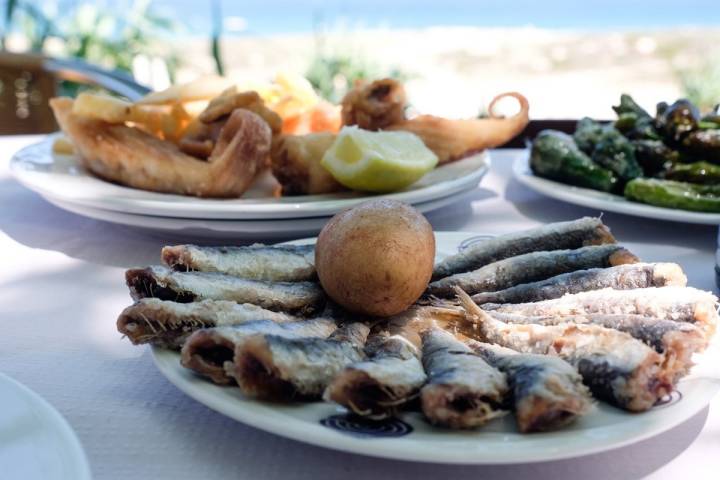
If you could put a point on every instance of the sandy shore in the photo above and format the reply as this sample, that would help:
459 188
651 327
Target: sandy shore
455 71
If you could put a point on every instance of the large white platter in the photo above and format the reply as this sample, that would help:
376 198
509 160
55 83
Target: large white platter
36 443
604 201
411 438
62 177
227 229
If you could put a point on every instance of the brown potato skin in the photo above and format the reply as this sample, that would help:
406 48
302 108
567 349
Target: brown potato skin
376 258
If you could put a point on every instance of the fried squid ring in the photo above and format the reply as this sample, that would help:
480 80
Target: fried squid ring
454 139
131 157
375 106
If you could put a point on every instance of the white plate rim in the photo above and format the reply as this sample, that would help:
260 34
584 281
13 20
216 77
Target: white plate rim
129 200
74 448
260 415
601 200
236 229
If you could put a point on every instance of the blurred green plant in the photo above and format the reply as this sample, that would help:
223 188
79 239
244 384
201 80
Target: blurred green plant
701 85
333 75
94 34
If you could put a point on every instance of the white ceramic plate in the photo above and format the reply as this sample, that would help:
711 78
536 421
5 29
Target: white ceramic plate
61 177
411 438
227 229
604 201
36 443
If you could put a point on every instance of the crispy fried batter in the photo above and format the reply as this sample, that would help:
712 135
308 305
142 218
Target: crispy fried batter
230 99
137 159
454 139
296 164
375 106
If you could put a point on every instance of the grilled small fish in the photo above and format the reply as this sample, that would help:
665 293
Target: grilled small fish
531 267
681 304
621 277
546 392
555 236
678 341
283 368
462 390
616 367
207 351
393 373
279 263
168 324
160 282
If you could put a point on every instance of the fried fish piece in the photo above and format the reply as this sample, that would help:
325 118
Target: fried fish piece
454 139
616 367
463 390
279 263
546 392
375 106
295 163
680 304
393 373
165 323
620 277
531 267
210 351
184 287
137 159
554 236
283 368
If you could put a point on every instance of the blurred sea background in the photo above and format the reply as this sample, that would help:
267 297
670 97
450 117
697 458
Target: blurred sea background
570 58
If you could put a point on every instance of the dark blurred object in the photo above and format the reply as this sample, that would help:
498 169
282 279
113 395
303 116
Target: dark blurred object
28 81
535 127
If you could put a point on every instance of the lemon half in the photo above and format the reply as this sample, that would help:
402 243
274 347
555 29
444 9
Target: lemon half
377 161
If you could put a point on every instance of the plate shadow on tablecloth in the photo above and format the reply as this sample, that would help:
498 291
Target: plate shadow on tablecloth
309 462
29 219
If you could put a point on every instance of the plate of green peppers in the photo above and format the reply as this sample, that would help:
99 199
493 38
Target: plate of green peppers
665 166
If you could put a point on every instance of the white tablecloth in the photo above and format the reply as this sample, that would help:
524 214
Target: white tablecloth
61 288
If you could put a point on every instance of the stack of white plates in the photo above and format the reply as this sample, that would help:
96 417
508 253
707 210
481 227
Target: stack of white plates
61 180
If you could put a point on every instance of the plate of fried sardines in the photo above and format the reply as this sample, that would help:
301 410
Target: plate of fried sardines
544 344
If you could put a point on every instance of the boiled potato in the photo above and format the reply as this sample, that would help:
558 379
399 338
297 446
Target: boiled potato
376 258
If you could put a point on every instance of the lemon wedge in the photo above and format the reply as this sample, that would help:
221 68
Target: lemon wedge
377 161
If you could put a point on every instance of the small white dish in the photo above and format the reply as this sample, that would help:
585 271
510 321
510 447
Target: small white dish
61 177
604 201
36 443
411 438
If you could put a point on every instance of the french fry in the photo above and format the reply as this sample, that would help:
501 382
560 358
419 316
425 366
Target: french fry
102 107
203 88
63 146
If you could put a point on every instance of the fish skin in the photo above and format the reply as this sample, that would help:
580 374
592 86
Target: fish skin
164 323
555 236
208 350
530 267
620 277
617 368
546 392
301 298
680 304
677 341
279 263
378 387
281 368
462 390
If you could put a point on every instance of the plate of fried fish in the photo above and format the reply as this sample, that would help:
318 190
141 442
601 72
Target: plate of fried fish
215 151
544 344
